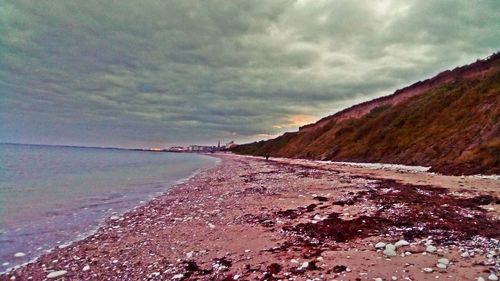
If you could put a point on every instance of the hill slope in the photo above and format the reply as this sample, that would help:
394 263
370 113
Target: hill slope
450 122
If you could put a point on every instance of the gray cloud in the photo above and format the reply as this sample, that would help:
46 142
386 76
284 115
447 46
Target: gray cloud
163 72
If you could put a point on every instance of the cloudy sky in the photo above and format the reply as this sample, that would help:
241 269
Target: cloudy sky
155 73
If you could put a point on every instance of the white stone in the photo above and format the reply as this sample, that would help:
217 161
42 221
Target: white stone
464 255
178 276
430 249
154 274
480 279
19 255
380 245
444 261
428 270
440 265
492 277
378 279
304 265
189 254
5 264
389 253
236 277
394 278
401 243
390 247
211 226
294 261
56 274
86 268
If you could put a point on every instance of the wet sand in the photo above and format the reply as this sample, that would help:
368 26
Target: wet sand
251 219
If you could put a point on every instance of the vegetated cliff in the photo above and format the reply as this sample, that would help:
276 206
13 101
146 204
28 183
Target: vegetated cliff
450 122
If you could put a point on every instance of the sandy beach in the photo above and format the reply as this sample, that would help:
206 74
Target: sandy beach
285 219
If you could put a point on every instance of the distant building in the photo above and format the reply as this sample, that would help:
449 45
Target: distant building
202 148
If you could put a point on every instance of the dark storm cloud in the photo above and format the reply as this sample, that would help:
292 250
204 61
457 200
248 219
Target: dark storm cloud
162 72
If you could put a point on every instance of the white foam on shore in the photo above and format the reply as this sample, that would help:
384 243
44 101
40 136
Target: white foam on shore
374 166
487 177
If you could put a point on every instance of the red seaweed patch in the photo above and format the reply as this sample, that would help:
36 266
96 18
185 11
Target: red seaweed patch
406 210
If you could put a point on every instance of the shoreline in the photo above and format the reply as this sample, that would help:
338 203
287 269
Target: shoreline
103 220
194 230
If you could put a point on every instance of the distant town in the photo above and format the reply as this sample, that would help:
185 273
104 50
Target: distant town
196 148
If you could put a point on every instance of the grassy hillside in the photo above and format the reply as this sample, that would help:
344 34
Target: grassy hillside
453 127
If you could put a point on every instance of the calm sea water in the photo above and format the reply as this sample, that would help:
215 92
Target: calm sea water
50 196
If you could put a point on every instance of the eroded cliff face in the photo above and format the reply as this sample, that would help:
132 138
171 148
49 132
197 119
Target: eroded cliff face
449 122
478 69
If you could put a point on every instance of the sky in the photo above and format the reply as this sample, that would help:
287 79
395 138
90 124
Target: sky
155 73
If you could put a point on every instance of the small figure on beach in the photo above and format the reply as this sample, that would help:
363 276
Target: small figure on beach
267 156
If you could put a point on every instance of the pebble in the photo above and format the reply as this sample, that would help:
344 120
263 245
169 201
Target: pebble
86 268
480 279
380 245
440 265
428 270
394 278
56 274
390 247
401 243
389 253
304 265
19 255
5 264
492 277
430 249
378 279
178 276
444 261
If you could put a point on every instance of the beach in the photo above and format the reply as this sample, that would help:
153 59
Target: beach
289 219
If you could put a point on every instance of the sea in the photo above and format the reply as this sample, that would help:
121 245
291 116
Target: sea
53 195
